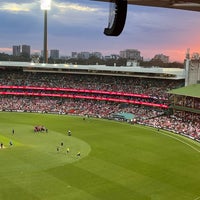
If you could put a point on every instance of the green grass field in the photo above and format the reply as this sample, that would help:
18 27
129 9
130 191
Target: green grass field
118 161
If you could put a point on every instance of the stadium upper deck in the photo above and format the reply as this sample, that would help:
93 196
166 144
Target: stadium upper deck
138 71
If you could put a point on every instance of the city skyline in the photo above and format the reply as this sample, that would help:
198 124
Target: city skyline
134 54
40 53
78 26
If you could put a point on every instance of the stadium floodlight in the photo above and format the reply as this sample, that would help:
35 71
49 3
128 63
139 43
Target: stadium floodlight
45 5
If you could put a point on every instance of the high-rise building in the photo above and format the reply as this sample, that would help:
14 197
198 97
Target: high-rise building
26 50
74 54
97 54
16 50
54 54
84 55
131 54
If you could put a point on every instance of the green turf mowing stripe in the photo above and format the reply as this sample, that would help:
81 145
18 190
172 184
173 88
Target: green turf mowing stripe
118 161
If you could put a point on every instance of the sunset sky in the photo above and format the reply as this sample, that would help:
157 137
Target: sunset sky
77 25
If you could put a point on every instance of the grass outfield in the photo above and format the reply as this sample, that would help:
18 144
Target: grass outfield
118 161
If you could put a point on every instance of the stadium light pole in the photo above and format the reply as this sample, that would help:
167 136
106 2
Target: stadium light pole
45 5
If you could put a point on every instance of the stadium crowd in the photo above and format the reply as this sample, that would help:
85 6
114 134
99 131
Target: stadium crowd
151 116
156 88
102 109
177 124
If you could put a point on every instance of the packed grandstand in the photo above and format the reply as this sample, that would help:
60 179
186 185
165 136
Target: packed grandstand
148 99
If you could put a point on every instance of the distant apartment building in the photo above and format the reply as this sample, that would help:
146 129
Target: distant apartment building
162 57
54 54
97 54
26 50
131 54
84 55
16 50
74 55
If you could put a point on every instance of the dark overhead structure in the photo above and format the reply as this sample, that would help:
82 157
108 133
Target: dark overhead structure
117 17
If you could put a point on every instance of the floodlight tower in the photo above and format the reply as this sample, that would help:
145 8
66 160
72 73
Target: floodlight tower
45 5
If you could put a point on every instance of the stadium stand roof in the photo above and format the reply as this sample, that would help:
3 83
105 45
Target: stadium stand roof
137 71
191 91
192 5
